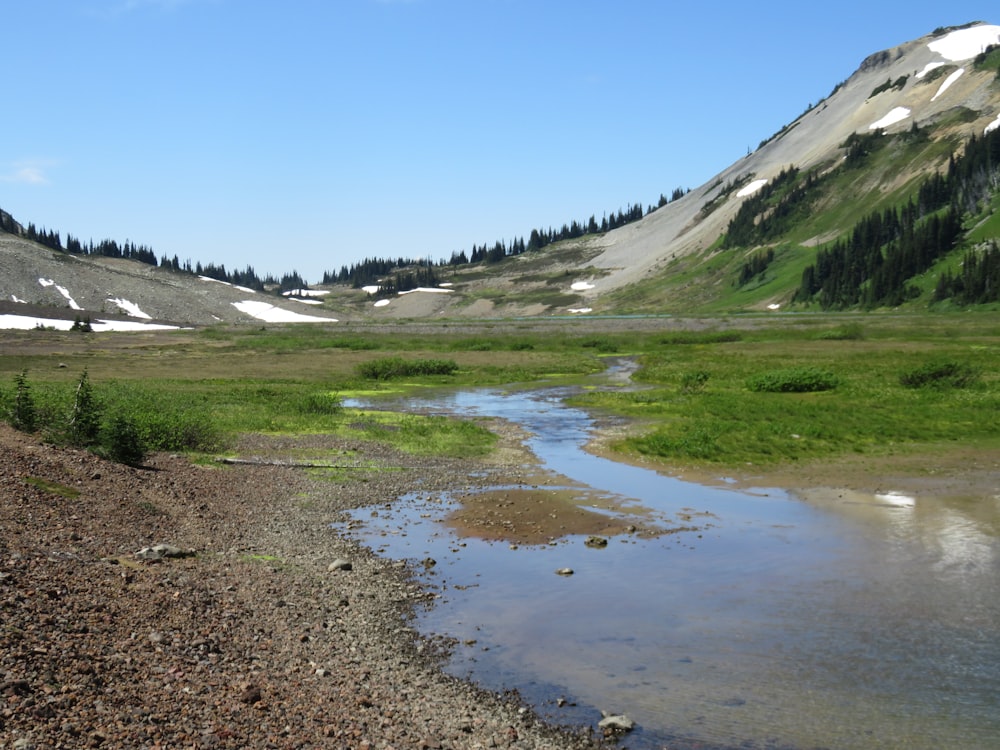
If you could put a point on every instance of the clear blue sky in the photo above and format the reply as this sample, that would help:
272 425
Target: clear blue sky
308 134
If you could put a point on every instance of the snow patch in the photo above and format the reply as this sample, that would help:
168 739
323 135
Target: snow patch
130 308
13 298
929 67
964 44
248 290
306 301
581 286
948 81
271 314
752 188
63 291
382 303
370 289
897 115
580 310
774 306
992 126
427 289
29 323
306 293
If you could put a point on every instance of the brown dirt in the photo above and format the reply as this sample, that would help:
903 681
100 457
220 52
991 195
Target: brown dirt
254 640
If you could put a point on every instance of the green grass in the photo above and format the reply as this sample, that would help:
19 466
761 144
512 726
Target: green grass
195 392
53 488
701 406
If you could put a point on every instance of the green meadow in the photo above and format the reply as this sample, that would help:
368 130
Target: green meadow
716 392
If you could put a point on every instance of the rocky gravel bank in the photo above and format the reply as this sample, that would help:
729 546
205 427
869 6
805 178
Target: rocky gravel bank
271 630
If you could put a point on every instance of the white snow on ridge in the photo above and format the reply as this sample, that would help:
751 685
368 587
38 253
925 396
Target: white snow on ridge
381 303
371 289
897 115
130 308
226 283
752 188
581 286
271 314
992 126
62 290
928 68
948 81
964 44
306 293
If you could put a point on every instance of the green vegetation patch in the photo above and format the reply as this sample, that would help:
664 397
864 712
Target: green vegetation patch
940 375
390 368
425 435
53 488
793 380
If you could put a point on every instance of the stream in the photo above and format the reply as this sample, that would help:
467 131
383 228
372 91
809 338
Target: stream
864 622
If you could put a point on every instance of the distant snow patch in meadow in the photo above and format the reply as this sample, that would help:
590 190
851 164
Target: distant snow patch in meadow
964 44
752 188
370 289
432 290
897 115
130 308
14 298
29 323
948 81
381 303
62 290
270 314
306 293
774 306
306 301
992 126
581 286
580 310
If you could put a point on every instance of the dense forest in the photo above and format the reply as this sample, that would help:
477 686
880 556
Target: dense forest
874 265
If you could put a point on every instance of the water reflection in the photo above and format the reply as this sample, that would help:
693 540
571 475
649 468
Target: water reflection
848 621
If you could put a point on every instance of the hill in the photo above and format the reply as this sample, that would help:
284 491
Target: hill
898 120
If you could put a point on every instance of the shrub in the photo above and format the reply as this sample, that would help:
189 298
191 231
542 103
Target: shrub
939 375
121 442
318 403
793 380
85 417
846 332
24 416
387 368
693 382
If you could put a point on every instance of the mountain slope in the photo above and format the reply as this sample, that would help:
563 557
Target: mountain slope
635 251
672 260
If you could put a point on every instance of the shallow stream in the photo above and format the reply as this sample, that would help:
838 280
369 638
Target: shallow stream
858 622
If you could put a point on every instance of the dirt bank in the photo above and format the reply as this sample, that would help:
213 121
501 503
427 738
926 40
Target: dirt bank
258 639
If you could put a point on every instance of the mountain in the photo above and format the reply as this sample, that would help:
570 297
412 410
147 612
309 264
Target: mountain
742 241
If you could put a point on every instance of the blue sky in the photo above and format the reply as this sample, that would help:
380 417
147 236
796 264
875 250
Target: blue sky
308 134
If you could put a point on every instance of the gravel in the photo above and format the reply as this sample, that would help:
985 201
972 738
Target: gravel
264 628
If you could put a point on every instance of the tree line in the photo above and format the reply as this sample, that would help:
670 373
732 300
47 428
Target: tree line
383 271
873 266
